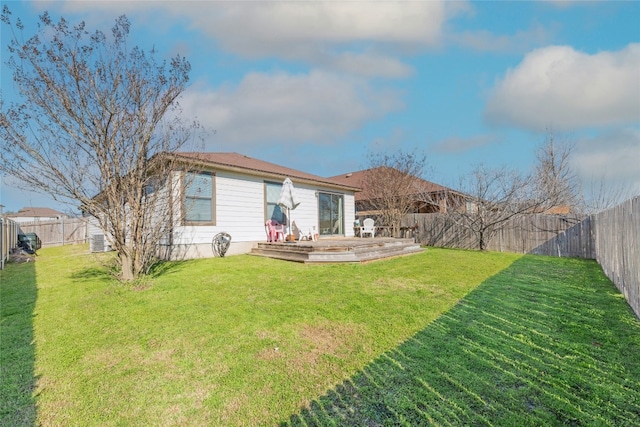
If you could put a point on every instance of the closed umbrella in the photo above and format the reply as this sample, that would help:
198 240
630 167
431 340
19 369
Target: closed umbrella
288 199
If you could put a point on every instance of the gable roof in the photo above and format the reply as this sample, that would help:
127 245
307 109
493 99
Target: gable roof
36 212
358 178
235 162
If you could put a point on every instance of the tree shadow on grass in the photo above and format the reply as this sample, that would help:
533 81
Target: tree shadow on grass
18 293
102 274
544 342
162 267
108 272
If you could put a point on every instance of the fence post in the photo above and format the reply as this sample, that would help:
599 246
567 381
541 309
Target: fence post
2 238
8 239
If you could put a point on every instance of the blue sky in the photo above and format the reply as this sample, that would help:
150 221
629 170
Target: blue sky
318 85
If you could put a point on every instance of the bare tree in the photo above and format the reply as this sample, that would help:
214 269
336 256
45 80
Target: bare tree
390 187
558 185
602 193
494 197
556 182
97 120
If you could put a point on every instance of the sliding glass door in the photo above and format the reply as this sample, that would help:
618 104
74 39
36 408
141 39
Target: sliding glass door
330 214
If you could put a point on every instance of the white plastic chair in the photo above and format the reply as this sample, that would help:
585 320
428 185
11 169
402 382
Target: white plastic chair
309 235
368 227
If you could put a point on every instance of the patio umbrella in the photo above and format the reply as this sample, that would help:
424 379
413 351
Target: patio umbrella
288 199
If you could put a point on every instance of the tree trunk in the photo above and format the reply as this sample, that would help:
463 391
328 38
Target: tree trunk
127 272
85 128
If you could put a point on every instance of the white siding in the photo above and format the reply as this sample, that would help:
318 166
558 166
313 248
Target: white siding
349 214
239 208
95 230
240 211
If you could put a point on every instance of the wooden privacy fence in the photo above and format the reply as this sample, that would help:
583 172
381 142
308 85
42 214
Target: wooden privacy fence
529 234
65 231
617 247
8 238
612 237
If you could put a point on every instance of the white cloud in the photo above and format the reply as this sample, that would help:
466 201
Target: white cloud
565 89
277 27
289 109
613 157
335 35
252 26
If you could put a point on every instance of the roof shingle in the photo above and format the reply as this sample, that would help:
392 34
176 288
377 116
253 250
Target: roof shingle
357 179
36 212
236 161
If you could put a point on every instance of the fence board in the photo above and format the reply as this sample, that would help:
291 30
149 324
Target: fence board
611 237
617 241
534 234
64 231
8 239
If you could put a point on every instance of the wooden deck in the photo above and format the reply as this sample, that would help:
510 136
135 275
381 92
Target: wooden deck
338 249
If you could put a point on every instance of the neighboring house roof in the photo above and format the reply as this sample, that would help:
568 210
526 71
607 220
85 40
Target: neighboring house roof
244 164
553 210
357 179
558 210
36 213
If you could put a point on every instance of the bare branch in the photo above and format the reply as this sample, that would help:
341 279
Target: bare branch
392 185
95 119
556 182
494 197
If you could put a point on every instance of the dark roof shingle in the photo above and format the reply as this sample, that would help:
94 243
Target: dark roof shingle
240 162
357 179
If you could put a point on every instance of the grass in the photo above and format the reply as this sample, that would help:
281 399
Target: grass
444 337
545 342
17 381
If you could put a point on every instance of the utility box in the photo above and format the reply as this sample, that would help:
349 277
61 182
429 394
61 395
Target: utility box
36 243
99 243
96 244
32 239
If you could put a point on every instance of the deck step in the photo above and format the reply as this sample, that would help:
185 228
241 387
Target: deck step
346 250
284 255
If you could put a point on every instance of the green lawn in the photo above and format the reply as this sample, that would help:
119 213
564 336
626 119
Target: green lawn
444 337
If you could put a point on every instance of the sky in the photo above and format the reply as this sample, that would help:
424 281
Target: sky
319 86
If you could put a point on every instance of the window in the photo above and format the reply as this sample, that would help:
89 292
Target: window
198 198
472 208
330 214
154 184
272 210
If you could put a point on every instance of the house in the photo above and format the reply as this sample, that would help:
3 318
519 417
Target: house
237 194
35 214
428 196
553 210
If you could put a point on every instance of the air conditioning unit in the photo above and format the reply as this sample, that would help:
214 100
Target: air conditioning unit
97 243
